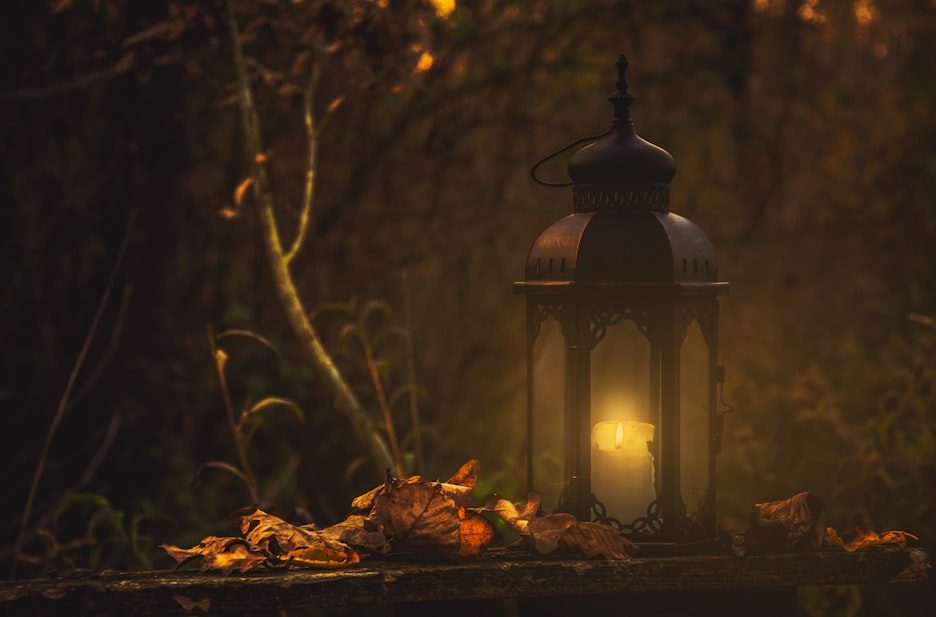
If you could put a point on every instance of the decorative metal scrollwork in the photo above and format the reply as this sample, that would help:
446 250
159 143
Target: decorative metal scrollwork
704 314
542 312
693 526
603 318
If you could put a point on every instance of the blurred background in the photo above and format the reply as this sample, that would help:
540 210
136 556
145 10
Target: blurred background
805 145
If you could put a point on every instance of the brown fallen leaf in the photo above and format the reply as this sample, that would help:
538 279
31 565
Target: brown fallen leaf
474 533
467 474
544 532
292 544
793 524
418 516
360 532
595 540
363 503
866 539
222 554
832 538
461 490
517 518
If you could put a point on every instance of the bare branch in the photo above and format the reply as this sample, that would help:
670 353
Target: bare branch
66 394
344 398
311 165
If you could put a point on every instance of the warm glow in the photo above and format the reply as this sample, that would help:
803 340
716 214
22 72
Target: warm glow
810 12
443 8
425 62
626 435
622 467
864 12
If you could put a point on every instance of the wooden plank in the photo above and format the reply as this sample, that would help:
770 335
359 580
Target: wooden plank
160 593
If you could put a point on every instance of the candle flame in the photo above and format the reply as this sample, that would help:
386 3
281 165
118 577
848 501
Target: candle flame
619 436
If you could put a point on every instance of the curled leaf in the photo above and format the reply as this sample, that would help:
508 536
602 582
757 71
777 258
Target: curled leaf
419 516
467 474
292 544
595 540
474 533
360 532
793 524
544 532
866 539
516 518
222 554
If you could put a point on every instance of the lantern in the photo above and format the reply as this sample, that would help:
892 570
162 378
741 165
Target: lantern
622 328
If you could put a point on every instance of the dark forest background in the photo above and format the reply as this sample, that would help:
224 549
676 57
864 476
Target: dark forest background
805 142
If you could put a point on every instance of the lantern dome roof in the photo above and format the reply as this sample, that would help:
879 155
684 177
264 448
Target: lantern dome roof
621 157
621 237
622 249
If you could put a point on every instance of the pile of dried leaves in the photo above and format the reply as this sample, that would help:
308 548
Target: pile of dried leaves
411 515
798 524
419 517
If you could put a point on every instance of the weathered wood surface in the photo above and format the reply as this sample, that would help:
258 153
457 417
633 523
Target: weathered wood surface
160 593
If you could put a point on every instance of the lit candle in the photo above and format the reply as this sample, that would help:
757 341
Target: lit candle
622 474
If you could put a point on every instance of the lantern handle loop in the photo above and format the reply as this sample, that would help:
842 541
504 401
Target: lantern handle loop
557 153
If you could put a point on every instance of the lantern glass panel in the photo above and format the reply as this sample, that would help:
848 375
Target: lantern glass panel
694 397
624 417
549 435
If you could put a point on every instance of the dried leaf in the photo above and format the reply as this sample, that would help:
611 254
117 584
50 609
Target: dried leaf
517 518
595 540
544 532
793 524
222 554
241 190
832 538
866 539
474 533
467 474
419 516
360 532
289 543
366 501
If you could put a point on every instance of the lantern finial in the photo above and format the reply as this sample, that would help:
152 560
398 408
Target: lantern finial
621 98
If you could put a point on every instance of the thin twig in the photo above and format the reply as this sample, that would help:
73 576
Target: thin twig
382 402
327 371
113 427
66 394
101 366
311 166
411 375
239 443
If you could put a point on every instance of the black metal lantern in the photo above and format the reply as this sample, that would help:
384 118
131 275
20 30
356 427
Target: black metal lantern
622 328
